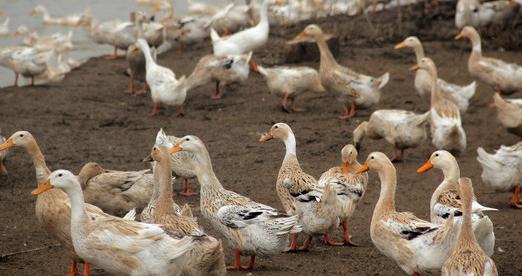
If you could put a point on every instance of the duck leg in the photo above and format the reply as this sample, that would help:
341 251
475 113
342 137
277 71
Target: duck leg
187 190
132 88
329 241
32 80
285 103
237 261
515 199
154 109
3 169
306 244
293 243
86 269
346 235
74 269
219 91
397 158
114 54
180 112
16 80
250 265
295 108
348 113
143 89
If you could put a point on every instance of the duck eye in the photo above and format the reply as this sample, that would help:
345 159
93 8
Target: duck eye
187 139
60 175
436 154
21 135
276 127
372 157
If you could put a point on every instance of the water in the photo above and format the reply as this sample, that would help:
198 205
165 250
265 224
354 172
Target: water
19 13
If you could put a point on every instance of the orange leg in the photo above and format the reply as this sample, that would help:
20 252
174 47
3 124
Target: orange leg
32 81
132 88
187 190
74 269
397 158
218 93
328 241
114 54
143 90
285 103
154 109
250 265
293 243
346 235
348 113
415 274
295 108
237 261
306 244
226 32
16 79
180 49
86 269
515 199
180 112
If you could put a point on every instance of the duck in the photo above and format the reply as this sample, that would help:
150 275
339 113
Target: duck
68 20
403 129
290 82
243 41
180 162
4 27
505 77
29 62
6 60
476 14
467 258
232 18
350 187
223 70
115 192
58 42
416 245
460 95
251 228
53 210
164 86
348 86
206 257
509 113
201 8
446 125
502 171
3 156
300 193
121 35
447 200
136 68
141 248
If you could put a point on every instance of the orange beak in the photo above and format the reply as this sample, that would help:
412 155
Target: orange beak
42 188
426 167
346 168
7 144
301 37
147 159
265 137
363 168
459 36
400 46
415 67
176 148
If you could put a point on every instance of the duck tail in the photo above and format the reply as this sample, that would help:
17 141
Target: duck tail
469 90
214 35
421 119
260 69
485 158
383 80
162 138
131 215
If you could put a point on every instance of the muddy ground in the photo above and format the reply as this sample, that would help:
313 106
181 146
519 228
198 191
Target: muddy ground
90 117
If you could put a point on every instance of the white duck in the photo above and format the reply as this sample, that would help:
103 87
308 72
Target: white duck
251 228
30 62
509 113
417 246
446 125
114 244
446 200
164 86
69 20
460 95
4 27
502 171
244 41
476 14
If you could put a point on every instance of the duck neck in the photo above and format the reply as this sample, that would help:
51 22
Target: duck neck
139 27
419 52
290 145
386 202
78 214
163 185
83 178
149 61
477 45
451 171
435 89
263 16
205 173
466 236
42 172
326 57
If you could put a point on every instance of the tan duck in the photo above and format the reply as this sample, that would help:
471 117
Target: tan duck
460 95
502 171
509 113
446 125
350 87
116 192
467 257
117 245
416 245
290 82
350 187
136 69
3 155
300 194
505 77
401 128
447 200
52 208
179 162
206 258
223 70
249 227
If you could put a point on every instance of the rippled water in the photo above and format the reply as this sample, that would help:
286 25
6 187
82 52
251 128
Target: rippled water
19 13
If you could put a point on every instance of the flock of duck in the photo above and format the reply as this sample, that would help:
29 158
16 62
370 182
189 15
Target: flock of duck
93 214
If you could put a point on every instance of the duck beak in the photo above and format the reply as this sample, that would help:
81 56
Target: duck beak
346 168
301 37
266 137
176 148
415 67
400 46
426 167
363 168
7 144
42 188
147 159
459 36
